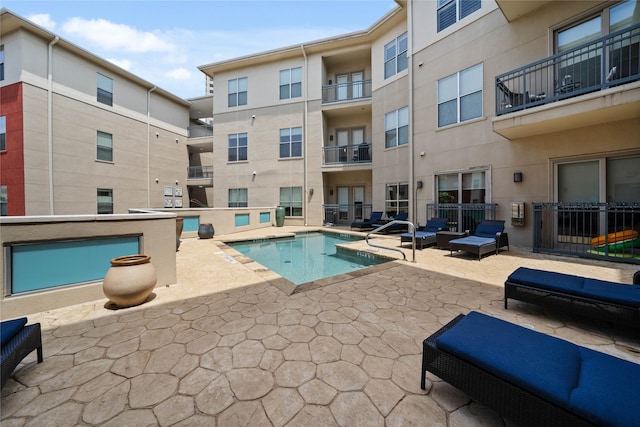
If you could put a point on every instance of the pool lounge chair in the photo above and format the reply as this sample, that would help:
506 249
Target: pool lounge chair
530 378
368 223
489 237
609 301
395 228
17 340
426 235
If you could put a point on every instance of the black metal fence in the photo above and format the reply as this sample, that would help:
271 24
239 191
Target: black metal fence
462 216
588 230
607 61
346 154
344 214
346 91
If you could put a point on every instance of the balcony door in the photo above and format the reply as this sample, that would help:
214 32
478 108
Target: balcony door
350 85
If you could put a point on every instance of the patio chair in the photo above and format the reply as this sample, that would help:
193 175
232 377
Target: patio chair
395 228
488 237
17 340
426 235
530 378
368 223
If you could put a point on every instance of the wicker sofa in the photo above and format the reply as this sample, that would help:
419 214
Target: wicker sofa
18 340
530 378
610 301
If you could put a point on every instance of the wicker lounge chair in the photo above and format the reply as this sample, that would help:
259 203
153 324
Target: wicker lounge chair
368 223
426 235
489 237
599 299
18 340
530 378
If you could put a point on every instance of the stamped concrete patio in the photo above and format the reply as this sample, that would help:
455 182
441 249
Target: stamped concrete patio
230 345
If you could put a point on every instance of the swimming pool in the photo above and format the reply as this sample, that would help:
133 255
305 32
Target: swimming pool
306 257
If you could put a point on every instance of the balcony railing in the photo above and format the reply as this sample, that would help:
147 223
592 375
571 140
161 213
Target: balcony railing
345 214
608 61
200 131
346 91
200 172
346 154
588 230
462 216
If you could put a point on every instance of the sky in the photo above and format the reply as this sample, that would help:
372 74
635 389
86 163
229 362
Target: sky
164 41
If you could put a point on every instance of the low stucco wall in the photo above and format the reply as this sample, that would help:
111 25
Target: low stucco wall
158 240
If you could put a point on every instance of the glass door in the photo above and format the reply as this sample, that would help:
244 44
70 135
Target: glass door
356 80
343 85
343 142
358 201
578 182
343 204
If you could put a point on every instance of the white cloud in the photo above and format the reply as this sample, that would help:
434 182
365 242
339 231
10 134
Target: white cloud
115 37
122 63
44 20
179 74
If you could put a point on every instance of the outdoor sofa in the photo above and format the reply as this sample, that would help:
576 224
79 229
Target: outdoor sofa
368 223
17 340
599 299
530 378
488 237
425 235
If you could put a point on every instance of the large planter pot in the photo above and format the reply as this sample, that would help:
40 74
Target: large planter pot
130 280
279 216
205 231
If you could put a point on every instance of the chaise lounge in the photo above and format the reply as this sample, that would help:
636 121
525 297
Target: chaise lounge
426 235
489 237
368 223
599 299
17 340
530 378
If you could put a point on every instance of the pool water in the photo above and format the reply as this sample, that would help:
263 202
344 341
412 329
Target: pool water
306 257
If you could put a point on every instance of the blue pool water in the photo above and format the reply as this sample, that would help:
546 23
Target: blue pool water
304 258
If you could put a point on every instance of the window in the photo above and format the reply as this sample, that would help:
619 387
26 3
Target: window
4 211
448 11
473 186
395 56
238 92
290 142
460 96
105 90
3 133
291 200
396 128
396 199
291 83
1 62
105 201
105 146
238 198
238 147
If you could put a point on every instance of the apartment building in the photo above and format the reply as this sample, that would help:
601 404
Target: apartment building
503 104
80 135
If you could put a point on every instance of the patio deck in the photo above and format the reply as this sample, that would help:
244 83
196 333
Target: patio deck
229 345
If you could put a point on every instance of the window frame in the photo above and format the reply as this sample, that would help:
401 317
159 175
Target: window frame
237 147
238 198
459 11
397 201
235 98
460 96
104 93
290 143
397 128
108 194
398 57
292 206
290 84
104 147
1 62
3 133
4 200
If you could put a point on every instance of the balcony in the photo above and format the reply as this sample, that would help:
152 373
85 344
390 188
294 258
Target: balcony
347 154
346 91
601 78
200 131
345 214
200 176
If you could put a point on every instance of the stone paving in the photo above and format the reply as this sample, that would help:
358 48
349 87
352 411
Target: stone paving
226 346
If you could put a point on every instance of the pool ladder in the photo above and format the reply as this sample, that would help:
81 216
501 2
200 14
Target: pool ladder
389 224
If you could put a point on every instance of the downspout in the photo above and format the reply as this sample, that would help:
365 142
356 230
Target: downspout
412 184
148 146
304 136
50 119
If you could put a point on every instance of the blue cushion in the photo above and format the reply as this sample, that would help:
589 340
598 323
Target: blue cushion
9 328
436 224
419 234
489 229
474 241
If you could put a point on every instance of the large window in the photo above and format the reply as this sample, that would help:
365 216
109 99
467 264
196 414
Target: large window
238 198
396 199
291 200
450 11
238 147
3 133
105 201
395 56
105 90
1 62
462 187
290 142
291 83
105 146
4 205
460 96
396 128
238 91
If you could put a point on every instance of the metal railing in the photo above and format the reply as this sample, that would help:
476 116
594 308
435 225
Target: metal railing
389 248
345 214
200 172
200 131
346 154
608 61
588 230
346 91
462 216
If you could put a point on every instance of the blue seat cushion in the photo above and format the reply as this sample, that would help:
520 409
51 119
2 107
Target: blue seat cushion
618 293
489 229
474 241
9 329
419 234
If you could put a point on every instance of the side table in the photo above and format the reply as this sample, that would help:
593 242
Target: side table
444 237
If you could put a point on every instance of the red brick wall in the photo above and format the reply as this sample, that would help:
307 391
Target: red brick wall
12 160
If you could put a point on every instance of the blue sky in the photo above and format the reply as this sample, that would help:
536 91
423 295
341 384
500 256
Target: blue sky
165 41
